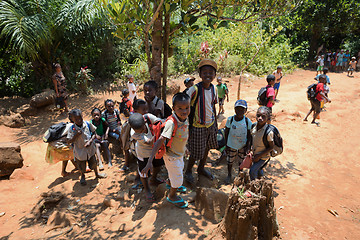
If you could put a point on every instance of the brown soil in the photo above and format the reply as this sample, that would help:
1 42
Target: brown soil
317 172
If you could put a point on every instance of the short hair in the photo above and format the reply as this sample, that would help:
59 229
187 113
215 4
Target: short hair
266 110
137 103
270 78
219 77
75 113
325 69
57 65
94 110
322 76
180 97
125 92
108 101
136 121
279 67
152 84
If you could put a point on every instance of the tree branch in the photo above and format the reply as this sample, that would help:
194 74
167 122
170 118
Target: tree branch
156 14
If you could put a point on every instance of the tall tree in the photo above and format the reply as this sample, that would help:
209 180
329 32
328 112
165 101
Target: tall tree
156 21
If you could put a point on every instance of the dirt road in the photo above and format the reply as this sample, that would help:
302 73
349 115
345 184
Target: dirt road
318 171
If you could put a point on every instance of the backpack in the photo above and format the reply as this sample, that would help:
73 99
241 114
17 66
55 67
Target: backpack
311 91
156 129
87 124
167 109
278 141
54 132
221 133
124 108
262 98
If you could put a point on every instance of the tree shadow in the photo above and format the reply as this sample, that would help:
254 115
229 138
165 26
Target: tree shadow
60 180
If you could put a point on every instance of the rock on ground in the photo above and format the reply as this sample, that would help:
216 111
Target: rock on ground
43 99
13 120
10 158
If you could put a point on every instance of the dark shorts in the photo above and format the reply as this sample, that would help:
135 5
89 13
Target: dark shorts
221 101
201 140
315 105
277 86
156 163
82 164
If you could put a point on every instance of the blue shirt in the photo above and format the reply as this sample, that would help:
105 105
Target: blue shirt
327 78
238 132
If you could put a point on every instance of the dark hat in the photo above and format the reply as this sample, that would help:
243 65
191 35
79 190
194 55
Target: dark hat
189 79
241 103
208 62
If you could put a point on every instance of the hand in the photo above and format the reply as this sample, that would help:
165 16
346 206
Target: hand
227 99
98 137
106 137
247 151
147 168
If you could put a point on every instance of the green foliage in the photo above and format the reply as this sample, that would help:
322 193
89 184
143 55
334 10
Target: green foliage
241 42
83 79
138 68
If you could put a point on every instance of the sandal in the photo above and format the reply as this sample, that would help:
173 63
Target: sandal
317 124
180 189
184 205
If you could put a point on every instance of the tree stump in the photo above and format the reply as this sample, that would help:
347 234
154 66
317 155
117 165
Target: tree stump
250 212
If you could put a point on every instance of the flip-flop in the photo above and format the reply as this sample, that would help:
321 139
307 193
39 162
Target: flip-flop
180 189
185 205
136 186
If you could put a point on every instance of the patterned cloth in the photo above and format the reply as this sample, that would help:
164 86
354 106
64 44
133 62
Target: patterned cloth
201 140
233 153
58 151
61 84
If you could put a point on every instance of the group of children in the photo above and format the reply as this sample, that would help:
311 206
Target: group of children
338 61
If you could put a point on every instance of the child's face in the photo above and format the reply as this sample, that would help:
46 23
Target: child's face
207 74
272 83
58 69
142 109
141 130
182 109
189 84
261 117
110 107
219 80
78 120
322 80
131 79
96 116
279 70
149 92
240 111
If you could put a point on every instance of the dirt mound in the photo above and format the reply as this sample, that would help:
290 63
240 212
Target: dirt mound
250 212
210 203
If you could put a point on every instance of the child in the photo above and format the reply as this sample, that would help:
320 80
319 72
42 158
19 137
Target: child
173 157
112 117
261 154
125 104
131 88
237 136
346 59
143 146
202 120
102 132
339 60
84 147
320 64
316 102
155 104
188 82
352 66
270 92
278 76
222 91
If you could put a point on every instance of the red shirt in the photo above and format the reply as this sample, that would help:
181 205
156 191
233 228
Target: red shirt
319 88
270 93
128 104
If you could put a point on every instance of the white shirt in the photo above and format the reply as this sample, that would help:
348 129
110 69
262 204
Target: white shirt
131 88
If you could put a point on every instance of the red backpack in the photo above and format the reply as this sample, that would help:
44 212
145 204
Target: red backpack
156 130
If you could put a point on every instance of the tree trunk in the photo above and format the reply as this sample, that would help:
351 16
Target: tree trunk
166 54
315 36
155 71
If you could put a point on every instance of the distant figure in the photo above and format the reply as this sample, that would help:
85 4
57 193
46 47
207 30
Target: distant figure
278 76
222 92
125 104
316 101
320 64
352 66
59 82
131 87
346 59
340 61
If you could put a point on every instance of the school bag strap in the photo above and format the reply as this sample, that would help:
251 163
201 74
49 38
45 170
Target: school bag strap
117 115
171 118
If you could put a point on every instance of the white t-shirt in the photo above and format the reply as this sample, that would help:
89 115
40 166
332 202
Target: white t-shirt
238 132
142 146
209 117
131 88
320 61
